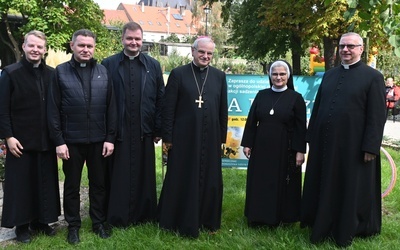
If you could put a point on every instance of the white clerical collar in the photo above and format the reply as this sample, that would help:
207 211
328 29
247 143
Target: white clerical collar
131 57
201 69
278 90
347 66
36 65
82 65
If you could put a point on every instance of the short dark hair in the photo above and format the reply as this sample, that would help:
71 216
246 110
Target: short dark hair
83 32
131 26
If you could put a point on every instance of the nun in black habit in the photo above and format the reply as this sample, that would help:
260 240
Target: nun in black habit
274 142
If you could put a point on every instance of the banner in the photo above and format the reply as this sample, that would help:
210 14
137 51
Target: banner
242 90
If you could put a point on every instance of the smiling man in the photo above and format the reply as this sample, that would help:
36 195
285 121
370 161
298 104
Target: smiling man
342 198
31 196
195 118
139 89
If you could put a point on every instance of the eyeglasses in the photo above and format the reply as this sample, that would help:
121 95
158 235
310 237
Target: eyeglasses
349 46
278 74
202 52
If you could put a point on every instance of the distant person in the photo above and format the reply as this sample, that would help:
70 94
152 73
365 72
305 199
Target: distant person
139 89
342 187
274 142
392 96
195 118
82 123
31 192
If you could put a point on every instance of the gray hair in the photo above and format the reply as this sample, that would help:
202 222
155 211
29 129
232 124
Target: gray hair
202 39
360 39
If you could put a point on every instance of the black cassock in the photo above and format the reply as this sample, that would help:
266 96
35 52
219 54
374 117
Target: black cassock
191 196
273 188
342 193
133 197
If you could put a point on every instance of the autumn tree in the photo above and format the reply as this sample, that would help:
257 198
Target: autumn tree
252 39
58 19
314 21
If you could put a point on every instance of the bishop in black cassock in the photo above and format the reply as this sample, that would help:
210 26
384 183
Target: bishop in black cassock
195 124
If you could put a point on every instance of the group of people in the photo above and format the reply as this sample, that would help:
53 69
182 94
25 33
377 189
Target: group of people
341 196
109 116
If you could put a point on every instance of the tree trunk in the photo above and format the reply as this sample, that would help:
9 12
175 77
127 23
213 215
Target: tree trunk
331 53
296 54
265 67
14 44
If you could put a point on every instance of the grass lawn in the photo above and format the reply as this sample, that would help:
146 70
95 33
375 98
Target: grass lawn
234 233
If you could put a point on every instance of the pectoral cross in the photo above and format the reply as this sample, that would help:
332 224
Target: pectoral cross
287 179
199 101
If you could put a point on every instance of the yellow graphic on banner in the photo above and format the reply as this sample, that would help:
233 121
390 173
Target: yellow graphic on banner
237 121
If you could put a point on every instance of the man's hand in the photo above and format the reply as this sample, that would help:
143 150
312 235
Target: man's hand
108 149
62 152
299 159
14 146
369 157
247 152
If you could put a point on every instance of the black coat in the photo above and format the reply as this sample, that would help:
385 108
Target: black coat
22 103
139 89
31 190
342 193
152 88
79 117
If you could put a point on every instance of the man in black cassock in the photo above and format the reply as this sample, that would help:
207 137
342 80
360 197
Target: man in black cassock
139 89
342 189
31 192
195 118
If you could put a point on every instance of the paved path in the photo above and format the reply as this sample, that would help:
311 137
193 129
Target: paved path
391 132
392 129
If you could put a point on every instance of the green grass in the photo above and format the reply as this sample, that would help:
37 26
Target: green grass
234 233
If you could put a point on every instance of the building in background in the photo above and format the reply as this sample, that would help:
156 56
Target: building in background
158 22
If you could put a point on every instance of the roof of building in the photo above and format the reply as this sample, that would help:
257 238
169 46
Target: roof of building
153 19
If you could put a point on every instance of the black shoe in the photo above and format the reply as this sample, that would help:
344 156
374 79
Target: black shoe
101 231
38 227
22 233
73 236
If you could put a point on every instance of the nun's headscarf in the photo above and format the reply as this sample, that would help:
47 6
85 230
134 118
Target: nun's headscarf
289 72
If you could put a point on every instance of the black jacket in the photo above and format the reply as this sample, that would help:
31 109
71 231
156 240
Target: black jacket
23 104
152 92
78 118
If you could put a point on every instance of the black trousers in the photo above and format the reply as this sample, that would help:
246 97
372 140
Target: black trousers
97 174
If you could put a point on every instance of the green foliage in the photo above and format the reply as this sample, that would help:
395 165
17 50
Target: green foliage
58 19
171 61
389 64
173 38
189 39
109 43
